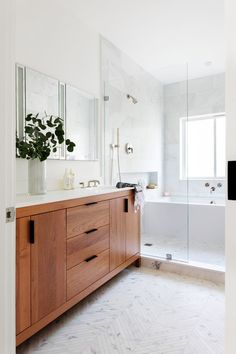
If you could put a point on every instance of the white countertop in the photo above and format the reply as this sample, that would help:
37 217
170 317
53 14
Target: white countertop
25 200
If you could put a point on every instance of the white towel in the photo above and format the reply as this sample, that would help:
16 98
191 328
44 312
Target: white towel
139 197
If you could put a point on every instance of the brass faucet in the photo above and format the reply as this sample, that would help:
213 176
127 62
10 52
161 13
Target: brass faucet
93 183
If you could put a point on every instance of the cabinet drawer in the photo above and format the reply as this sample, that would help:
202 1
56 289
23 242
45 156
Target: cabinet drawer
86 245
87 217
86 273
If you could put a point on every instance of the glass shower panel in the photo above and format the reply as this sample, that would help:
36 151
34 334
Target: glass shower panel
206 164
170 212
165 213
113 107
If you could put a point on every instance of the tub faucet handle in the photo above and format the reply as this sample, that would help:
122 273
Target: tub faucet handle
207 184
212 189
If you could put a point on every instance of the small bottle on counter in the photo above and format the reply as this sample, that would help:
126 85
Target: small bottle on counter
72 179
66 180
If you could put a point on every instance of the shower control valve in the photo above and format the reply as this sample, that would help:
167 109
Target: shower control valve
129 148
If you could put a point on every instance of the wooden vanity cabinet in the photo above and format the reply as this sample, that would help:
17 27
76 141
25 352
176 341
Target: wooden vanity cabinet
48 263
40 266
87 245
132 229
117 232
124 230
66 250
23 286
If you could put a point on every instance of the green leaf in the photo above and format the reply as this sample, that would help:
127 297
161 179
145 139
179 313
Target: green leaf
70 148
49 124
28 117
39 144
58 120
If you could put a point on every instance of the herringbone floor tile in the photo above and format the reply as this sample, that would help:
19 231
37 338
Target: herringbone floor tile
141 311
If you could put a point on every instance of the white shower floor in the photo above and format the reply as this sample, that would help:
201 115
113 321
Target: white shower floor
201 252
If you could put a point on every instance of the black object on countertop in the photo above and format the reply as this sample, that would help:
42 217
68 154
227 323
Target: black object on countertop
231 180
125 185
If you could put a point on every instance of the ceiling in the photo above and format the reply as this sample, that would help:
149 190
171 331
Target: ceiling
161 34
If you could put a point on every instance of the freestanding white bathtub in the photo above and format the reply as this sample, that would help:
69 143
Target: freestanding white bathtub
187 228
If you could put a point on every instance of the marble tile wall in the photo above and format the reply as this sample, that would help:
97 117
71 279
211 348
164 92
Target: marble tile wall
140 124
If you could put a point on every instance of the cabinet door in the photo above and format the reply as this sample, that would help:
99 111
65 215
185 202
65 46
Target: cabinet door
23 318
132 226
48 263
117 232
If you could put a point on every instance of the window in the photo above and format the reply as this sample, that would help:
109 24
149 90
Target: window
202 147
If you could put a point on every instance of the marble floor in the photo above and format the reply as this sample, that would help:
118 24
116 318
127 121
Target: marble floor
182 248
141 311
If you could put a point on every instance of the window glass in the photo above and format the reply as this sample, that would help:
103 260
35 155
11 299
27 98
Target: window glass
220 147
203 147
200 148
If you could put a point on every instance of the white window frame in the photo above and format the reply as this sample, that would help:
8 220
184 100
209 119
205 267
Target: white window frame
183 144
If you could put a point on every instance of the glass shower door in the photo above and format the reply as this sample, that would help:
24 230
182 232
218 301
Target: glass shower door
206 165
165 219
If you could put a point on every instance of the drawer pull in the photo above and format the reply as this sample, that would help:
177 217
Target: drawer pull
91 203
90 258
31 234
90 231
126 205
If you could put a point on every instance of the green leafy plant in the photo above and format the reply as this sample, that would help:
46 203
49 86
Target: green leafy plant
42 137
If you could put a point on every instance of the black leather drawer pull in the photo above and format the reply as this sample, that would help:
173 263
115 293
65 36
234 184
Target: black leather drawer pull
91 203
90 231
90 258
126 205
31 235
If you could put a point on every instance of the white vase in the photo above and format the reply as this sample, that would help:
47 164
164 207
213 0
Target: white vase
37 177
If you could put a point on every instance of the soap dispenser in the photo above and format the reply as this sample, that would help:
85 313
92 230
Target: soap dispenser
66 180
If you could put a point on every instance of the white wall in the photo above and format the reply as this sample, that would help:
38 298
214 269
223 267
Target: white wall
140 124
203 96
7 178
51 40
231 155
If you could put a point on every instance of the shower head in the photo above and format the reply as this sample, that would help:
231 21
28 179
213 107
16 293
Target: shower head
132 98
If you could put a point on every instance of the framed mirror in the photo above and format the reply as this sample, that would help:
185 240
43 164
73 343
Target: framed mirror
40 93
42 96
81 124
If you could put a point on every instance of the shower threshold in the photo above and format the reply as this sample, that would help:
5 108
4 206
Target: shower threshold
195 269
